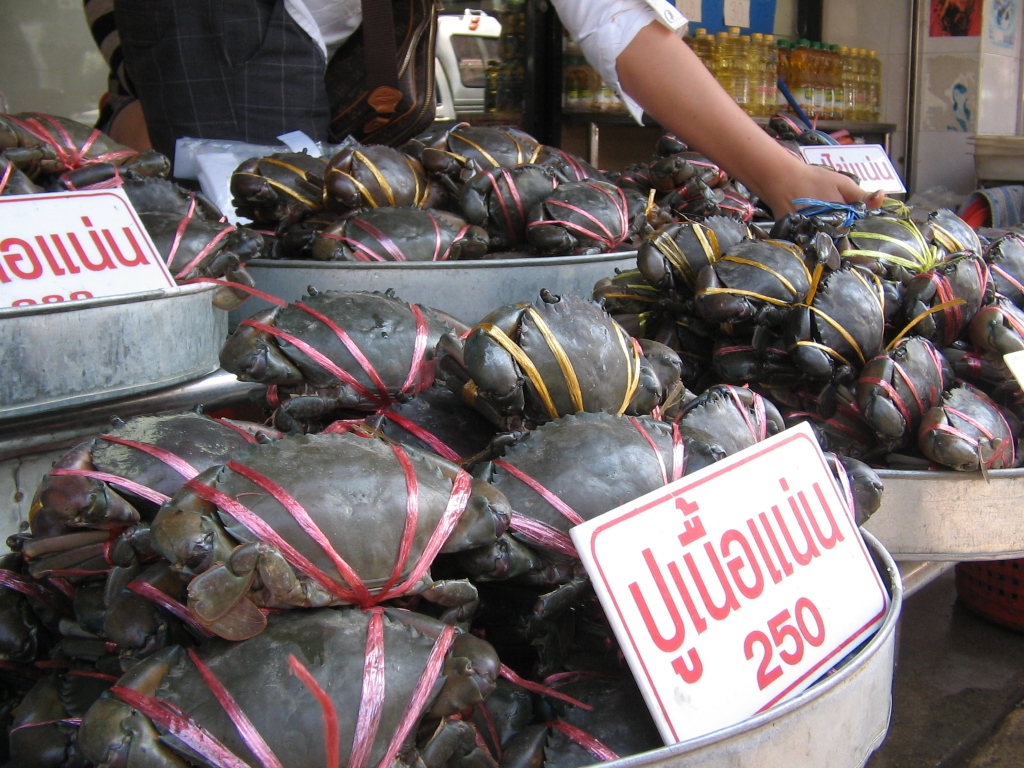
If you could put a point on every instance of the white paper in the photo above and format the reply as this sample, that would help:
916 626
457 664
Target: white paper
867 161
736 587
668 14
1015 362
690 9
737 13
298 141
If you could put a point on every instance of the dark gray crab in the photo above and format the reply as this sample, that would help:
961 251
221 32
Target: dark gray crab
561 354
581 217
501 200
279 189
167 711
375 176
265 531
968 431
336 350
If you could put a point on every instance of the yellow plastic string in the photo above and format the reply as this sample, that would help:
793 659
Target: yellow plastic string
381 181
565 365
937 308
525 363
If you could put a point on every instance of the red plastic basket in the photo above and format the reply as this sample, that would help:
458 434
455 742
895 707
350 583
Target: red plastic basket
994 590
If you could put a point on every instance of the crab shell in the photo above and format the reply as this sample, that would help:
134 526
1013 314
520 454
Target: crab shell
998 328
374 176
842 328
734 417
968 431
400 234
474 148
501 200
332 645
890 246
942 301
357 491
383 328
539 361
671 257
951 234
1005 257
281 188
203 248
753 280
897 388
592 462
581 217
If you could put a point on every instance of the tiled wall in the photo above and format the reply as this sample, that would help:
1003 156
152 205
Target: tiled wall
882 26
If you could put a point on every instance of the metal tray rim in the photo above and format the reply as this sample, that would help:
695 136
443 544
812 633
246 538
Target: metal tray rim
104 301
872 647
531 261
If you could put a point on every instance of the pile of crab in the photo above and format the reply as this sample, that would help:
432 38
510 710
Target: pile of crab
380 572
42 153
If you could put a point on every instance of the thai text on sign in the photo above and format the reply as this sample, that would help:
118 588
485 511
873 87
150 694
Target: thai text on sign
868 162
75 245
736 587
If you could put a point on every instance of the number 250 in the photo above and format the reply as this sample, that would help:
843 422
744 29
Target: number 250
781 631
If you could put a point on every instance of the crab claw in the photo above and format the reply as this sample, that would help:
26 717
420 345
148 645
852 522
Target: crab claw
185 532
253 355
71 501
470 673
485 518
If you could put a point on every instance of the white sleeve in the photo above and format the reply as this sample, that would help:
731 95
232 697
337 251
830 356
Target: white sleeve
603 29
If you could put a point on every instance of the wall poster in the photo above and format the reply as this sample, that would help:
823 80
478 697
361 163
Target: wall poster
955 18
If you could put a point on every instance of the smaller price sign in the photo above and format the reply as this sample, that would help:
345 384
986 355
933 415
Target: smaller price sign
868 162
736 587
74 245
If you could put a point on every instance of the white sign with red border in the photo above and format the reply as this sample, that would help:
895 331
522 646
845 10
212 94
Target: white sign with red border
868 162
735 587
64 246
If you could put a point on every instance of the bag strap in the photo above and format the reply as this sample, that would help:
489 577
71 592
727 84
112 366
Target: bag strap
381 55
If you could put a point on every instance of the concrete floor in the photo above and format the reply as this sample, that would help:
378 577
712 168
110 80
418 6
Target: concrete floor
958 691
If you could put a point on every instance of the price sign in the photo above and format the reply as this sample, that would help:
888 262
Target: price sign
735 587
74 245
868 162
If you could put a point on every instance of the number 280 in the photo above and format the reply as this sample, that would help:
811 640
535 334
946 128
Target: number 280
781 631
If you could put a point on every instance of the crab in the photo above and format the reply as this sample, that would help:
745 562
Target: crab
734 417
968 431
890 246
374 176
581 217
1005 258
399 234
211 704
279 189
941 302
264 531
462 150
529 363
998 328
896 389
335 350
501 200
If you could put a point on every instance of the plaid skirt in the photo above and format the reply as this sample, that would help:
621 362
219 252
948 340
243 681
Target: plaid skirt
239 70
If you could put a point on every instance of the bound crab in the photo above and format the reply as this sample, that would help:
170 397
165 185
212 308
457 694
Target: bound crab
279 189
941 302
457 153
263 531
529 363
501 200
582 217
375 176
399 234
968 431
333 351
326 670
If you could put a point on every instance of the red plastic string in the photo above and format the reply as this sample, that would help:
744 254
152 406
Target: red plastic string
227 423
169 604
6 177
21 669
421 694
205 251
909 383
252 739
371 701
385 242
173 461
459 236
238 286
994 267
357 592
760 431
564 509
179 232
540 688
583 739
129 485
435 443
72 721
574 676
265 533
543 534
953 312
32 590
412 515
95 675
332 736
492 728
437 239
316 355
418 355
654 447
177 723
352 348
894 396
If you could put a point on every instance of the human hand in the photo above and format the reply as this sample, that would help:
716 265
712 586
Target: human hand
817 182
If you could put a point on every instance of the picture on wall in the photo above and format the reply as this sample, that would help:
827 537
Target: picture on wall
955 18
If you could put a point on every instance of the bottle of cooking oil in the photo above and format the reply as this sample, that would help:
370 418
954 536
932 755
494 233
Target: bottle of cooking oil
849 83
722 69
769 79
818 89
838 89
828 78
742 71
875 87
782 72
861 68
703 46
802 75
755 70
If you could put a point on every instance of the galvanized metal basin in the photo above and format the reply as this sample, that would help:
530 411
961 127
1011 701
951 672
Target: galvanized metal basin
951 516
72 354
469 290
836 723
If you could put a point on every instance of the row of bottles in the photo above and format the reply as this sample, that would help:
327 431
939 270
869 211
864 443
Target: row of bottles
506 77
830 82
583 90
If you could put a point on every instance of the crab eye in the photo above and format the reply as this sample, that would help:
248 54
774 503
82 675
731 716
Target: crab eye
257 367
199 551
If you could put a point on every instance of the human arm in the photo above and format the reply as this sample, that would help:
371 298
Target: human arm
673 86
